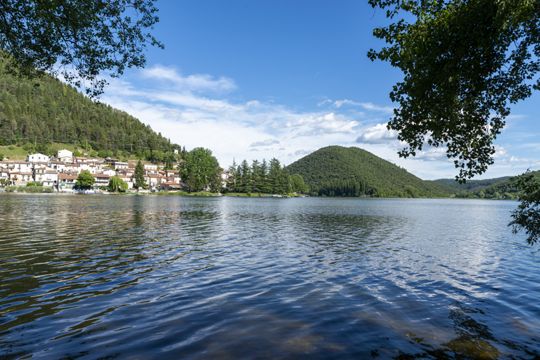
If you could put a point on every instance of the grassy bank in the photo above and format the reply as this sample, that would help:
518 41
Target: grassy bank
29 189
185 193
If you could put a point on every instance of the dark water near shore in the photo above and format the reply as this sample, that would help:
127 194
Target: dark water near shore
229 278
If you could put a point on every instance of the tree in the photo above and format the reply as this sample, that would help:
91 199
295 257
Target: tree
265 182
139 182
232 177
245 177
200 170
464 64
256 176
278 178
298 185
527 215
85 180
77 39
116 184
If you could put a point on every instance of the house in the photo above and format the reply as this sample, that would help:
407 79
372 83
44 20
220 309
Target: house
128 179
109 172
19 178
22 166
119 165
154 180
151 168
59 166
173 176
47 177
225 178
169 185
102 180
38 158
66 182
65 156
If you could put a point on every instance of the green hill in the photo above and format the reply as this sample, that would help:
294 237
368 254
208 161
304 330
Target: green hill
340 171
497 188
470 185
36 113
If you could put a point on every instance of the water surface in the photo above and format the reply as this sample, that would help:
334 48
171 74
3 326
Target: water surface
229 278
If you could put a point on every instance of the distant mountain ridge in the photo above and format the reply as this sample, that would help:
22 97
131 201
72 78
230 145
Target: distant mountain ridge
38 112
341 171
502 188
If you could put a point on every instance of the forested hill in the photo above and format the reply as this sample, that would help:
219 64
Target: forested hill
340 171
38 112
497 188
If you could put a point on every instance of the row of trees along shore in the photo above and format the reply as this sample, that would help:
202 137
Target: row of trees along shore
263 177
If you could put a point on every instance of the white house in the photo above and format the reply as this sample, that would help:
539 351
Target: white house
151 168
119 165
20 178
47 177
66 182
38 158
65 155
102 180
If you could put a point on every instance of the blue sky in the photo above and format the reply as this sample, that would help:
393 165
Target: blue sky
262 79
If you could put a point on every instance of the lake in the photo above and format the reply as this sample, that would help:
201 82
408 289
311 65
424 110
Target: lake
230 278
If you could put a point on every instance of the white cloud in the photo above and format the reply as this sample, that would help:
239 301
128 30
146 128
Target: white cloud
267 142
193 111
195 82
375 107
369 106
377 134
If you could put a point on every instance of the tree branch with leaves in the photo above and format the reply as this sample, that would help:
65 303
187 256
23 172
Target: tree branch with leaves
464 63
79 40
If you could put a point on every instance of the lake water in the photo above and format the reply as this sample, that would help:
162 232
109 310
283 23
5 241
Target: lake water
231 278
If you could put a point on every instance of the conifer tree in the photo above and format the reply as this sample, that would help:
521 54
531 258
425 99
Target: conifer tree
245 177
139 176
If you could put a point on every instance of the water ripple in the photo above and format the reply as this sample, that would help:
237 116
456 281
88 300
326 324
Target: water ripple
169 277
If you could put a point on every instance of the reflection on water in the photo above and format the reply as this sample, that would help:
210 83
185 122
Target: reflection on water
171 277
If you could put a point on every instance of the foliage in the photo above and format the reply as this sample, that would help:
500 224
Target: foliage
470 185
298 185
4 182
527 216
116 184
30 189
262 177
340 171
502 188
139 182
85 180
200 171
33 183
464 63
77 39
39 114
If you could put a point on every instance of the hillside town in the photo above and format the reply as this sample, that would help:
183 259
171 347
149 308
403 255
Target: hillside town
61 172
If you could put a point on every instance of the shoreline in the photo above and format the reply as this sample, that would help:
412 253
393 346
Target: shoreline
236 195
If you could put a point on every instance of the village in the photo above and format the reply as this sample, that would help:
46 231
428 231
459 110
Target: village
60 173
